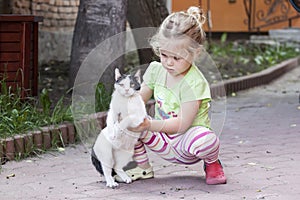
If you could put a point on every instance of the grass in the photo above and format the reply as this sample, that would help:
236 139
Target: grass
21 115
102 98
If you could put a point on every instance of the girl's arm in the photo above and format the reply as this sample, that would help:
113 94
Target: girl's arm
177 124
145 92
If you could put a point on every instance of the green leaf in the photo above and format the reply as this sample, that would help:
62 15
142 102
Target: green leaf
223 38
45 101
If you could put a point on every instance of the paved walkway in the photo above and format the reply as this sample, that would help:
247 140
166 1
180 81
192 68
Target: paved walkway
260 152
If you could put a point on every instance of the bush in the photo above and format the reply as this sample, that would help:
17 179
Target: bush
240 58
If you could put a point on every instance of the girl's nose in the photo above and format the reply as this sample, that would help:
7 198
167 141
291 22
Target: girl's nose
169 61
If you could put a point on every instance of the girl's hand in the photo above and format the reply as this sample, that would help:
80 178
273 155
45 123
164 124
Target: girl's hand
145 125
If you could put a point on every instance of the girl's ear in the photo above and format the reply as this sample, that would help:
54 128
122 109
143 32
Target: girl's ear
198 52
137 75
117 74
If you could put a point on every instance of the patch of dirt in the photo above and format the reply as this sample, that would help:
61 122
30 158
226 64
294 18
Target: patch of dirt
230 69
54 78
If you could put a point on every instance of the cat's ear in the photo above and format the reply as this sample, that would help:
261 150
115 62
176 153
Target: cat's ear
117 74
137 75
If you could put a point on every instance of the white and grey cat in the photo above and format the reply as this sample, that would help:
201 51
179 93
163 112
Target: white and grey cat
114 146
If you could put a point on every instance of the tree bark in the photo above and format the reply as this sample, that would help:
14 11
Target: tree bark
149 13
96 21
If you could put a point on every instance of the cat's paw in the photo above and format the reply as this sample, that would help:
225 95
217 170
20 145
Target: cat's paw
112 184
125 178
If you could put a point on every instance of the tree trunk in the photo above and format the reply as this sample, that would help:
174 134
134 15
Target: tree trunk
149 13
96 21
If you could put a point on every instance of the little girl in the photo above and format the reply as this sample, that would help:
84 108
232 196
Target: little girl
180 131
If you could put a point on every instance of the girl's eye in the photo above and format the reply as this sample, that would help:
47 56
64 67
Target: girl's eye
163 55
176 58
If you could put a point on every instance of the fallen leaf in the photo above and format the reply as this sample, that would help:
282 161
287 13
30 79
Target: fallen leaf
60 149
233 94
293 125
10 175
252 163
298 107
268 168
263 196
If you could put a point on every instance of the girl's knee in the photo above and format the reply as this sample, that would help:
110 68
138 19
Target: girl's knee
201 141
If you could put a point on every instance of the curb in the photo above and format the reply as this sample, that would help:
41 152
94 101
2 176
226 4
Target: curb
230 86
24 145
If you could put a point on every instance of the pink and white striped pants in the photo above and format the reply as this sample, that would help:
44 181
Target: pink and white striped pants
198 143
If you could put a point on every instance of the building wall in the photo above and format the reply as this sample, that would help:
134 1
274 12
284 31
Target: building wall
59 15
230 15
56 30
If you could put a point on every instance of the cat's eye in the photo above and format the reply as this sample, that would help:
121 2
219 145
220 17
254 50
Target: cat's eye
132 85
121 84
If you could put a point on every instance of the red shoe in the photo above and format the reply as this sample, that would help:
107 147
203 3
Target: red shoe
214 173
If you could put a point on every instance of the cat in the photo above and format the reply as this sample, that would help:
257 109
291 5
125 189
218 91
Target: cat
114 146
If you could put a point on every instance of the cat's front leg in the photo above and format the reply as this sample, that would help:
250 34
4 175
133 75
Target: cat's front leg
110 182
110 124
123 157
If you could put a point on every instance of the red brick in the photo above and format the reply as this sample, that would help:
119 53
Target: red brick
19 145
9 148
46 137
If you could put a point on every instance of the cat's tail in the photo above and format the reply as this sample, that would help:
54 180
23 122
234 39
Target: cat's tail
97 164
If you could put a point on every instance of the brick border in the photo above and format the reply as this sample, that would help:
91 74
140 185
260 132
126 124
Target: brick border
23 145
227 87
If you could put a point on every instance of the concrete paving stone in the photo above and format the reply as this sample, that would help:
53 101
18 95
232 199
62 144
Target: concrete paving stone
259 151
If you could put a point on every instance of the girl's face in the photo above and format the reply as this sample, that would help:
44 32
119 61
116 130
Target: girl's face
175 58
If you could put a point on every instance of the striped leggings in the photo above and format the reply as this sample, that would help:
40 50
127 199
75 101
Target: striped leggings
198 143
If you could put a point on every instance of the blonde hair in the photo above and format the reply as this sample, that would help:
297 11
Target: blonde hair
180 25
